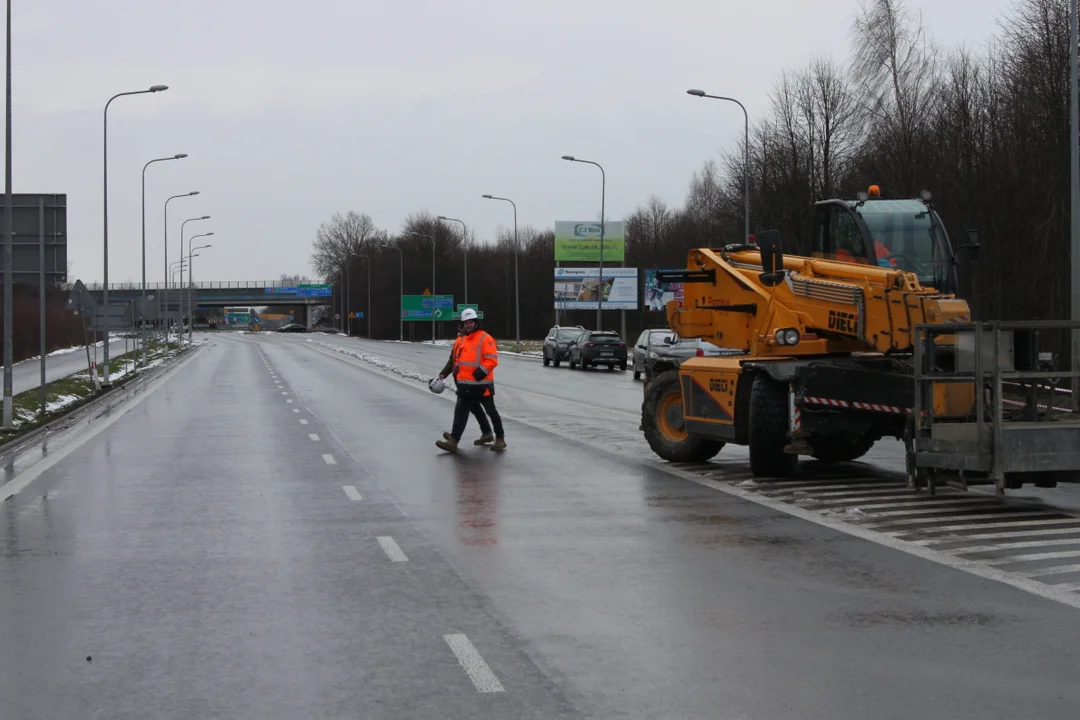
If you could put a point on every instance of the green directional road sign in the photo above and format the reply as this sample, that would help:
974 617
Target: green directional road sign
462 306
423 307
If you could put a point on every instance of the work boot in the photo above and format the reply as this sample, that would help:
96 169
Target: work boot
447 436
449 445
499 445
484 440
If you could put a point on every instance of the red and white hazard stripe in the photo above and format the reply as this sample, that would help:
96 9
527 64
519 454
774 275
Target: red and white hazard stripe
857 405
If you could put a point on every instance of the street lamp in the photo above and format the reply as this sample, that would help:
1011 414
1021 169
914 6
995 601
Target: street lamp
746 156
178 156
191 284
517 295
401 290
365 257
603 194
105 214
435 308
8 411
190 250
465 249
165 323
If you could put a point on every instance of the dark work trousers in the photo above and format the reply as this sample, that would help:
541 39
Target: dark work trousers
467 404
477 411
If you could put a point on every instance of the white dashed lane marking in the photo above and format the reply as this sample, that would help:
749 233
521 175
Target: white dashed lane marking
391 549
478 671
351 492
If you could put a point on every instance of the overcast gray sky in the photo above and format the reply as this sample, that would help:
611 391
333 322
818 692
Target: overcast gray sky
292 111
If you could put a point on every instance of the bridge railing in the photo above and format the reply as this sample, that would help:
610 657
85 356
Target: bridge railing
214 285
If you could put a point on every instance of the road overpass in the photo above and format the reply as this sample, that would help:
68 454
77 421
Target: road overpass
254 293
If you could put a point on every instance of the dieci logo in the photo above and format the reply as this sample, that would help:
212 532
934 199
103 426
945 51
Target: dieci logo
587 230
842 322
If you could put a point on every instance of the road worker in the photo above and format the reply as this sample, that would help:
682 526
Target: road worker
472 364
477 408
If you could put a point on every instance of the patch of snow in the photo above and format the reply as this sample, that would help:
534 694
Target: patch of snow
747 484
854 513
374 360
62 402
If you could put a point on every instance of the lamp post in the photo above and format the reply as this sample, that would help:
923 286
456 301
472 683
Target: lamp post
465 250
1074 199
517 294
191 313
181 303
365 257
178 156
191 284
435 308
401 290
165 322
746 157
603 194
105 214
9 321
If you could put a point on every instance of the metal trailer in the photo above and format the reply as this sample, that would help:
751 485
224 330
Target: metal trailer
1023 427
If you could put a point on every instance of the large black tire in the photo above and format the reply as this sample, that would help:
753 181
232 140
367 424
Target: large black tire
832 449
547 360
769 428
663 433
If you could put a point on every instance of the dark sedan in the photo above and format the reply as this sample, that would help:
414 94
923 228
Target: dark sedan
603 347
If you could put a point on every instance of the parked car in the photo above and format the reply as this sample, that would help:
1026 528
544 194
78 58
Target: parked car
557 343
651 339
673 352
598 347
293 327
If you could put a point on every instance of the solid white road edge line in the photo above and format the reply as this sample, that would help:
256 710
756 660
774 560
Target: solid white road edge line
973 567
391 549
478 671
96 426
351 492
329 460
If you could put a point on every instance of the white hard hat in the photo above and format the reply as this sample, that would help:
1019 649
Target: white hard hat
468 314
436 385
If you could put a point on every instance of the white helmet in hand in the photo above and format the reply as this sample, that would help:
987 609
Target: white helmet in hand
436 385
468 314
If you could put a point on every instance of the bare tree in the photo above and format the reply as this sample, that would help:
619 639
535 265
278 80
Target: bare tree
337 241
896 71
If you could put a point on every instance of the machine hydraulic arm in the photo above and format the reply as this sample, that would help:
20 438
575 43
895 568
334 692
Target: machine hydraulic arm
806 306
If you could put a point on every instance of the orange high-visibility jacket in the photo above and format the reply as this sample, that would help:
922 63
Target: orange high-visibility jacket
475 354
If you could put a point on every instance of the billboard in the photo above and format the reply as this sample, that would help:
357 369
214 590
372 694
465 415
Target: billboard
580 242
26 238
658 294
576 288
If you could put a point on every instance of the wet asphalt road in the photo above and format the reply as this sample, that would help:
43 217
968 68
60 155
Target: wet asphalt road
27 375
203 552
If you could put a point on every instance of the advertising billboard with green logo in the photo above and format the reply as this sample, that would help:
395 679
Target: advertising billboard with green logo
580 242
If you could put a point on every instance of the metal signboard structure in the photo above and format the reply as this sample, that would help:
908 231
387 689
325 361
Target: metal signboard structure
427 307
315 290
579 288
26 238
580 241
